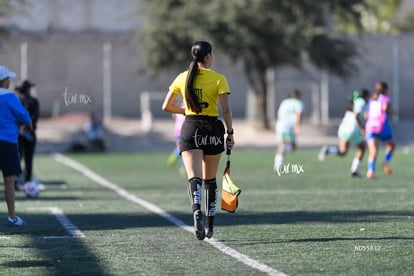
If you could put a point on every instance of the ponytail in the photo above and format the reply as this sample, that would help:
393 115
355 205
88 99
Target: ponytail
190 95
199 51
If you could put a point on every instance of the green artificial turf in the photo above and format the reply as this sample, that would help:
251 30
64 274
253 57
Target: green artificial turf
313 218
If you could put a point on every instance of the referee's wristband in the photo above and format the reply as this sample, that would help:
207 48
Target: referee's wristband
230 132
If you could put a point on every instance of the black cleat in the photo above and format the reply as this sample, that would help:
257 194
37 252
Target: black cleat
16 186
199 225
209 232
355 174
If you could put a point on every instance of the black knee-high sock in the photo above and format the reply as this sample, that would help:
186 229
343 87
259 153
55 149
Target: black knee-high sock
210 200
194 192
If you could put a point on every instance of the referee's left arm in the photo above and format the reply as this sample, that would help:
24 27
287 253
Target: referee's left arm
169 106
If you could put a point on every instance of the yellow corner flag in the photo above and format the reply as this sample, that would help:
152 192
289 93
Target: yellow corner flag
229 191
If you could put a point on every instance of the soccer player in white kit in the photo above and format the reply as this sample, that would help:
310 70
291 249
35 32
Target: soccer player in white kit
289 120
351 131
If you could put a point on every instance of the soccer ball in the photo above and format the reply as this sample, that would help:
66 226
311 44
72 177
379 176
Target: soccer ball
31 189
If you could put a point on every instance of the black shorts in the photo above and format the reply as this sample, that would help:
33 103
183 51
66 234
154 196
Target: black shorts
202 132
9 159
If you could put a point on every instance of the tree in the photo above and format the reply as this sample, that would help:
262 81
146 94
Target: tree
263 34
407 23
379 16
5 9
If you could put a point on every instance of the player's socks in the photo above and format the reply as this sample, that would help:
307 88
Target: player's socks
211 191
355 165
388 157
371 169
333 150
174 156
371 165
278 161
194 192
288 148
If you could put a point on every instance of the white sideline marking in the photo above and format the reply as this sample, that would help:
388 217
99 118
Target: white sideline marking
73 231
155 209
4 237
59 237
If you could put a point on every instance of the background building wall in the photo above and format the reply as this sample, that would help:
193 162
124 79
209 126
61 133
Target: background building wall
65 42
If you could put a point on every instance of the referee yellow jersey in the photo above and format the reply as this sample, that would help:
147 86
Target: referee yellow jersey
208 85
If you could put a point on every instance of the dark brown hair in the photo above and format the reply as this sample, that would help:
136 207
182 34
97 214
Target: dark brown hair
295 94
199 51
383 89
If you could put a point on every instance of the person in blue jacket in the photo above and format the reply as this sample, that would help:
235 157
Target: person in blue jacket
13 117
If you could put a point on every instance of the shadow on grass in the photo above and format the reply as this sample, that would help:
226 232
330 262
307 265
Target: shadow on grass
46 199
109 221
352 239
50 257
56 257
53 182
295 217
26 264
65 256
134 220
251 242
103 221
40 255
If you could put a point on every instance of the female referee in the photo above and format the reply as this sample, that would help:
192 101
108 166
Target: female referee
202 134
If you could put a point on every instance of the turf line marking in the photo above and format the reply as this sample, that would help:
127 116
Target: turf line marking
58 237
4 238
157 210
73 231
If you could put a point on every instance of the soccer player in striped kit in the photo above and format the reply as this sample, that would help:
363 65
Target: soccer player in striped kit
378 128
